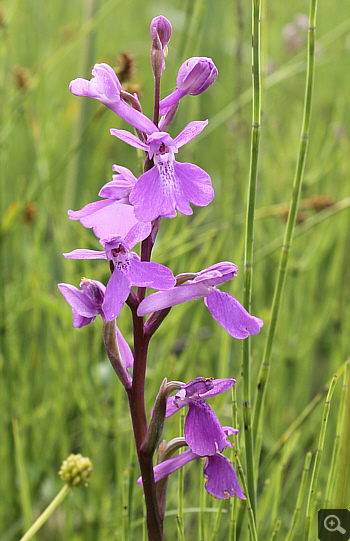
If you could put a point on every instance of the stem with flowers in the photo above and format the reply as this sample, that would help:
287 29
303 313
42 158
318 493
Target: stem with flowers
131 213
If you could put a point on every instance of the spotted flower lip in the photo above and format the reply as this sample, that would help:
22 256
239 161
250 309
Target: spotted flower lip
195 75
169 185
224 308
222 481
128 271
203 431
105 88
114 214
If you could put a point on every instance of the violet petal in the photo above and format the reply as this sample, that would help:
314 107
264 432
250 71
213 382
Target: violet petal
222 481
231 315
117 291
85 254
150 274
195 186
129 138
203 431
170 466
219 386
166 299
190 132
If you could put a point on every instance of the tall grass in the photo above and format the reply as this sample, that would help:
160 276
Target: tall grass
58 393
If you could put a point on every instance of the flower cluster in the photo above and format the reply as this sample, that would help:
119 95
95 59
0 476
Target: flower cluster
130 212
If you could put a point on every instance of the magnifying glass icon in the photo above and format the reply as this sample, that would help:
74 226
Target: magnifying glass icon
332 524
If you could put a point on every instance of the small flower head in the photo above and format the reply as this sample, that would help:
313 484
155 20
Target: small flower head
86 302
76 471
195 75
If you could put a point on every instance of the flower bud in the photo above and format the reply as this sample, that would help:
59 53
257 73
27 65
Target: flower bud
76 471
195 75
163 29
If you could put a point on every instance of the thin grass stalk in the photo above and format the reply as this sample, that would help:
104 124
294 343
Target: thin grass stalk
26 508
341 487
276 529
251 518
180 496
316 468
217 521
299 173
248 252
333 468
46 514
300 497
126 522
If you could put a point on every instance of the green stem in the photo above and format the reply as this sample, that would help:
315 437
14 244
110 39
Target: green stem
248 255
46 514
299 498
180 518
316 469
288 237
251 519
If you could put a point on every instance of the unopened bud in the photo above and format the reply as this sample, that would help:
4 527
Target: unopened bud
163 28
76 471
195 75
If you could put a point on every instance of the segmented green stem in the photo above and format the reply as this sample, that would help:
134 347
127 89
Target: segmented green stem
341 485
316 469
46 514
251 519
276 529
301 493
288 237
248 255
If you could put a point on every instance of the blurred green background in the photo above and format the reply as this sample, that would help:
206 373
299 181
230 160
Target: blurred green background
58 393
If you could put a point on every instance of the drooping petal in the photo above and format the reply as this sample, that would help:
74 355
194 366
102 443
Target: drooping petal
231 315
219 386
190 132
79 300
129 138
222 481
117 291
217 274
194 186
170 466
107 80
203 431
152 198
150 274
124 350
166 299
85 254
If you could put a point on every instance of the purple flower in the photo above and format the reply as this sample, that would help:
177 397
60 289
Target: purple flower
203 431
169 185
105 88
195 75
115 214
222 481
227 311
86 304
128 270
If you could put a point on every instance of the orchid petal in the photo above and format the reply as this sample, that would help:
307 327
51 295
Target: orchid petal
164 469
219 386
117 291
231 315
129 138
139 232
190 132
222 481
195 185
203 431
85 254
166 299
79 301
150 274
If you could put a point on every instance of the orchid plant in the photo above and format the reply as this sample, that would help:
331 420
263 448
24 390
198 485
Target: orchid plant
130 212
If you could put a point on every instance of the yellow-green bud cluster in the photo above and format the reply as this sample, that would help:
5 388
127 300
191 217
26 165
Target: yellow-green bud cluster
76 470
